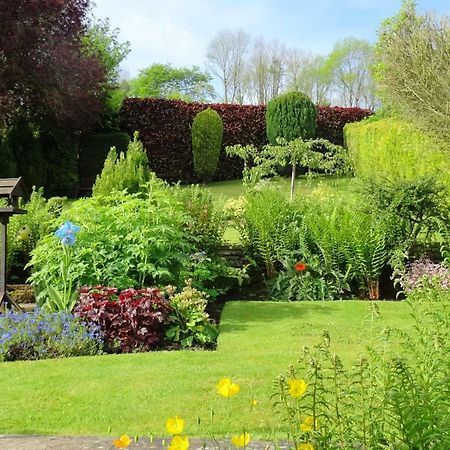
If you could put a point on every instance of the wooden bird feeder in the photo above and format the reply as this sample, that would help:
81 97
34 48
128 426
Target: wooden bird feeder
11 189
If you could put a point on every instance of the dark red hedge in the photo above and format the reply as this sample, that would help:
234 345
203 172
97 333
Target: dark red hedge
332 119
165 129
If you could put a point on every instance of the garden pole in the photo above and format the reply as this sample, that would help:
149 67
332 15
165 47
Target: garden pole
5 299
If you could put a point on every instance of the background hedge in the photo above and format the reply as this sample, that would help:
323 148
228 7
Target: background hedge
389 149
332 119
165 129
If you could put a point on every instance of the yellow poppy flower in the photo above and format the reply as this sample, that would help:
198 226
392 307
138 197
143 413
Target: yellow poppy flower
306 446
123 442
179 443
308 424
297 388
175 425
240 440
226 388
254 402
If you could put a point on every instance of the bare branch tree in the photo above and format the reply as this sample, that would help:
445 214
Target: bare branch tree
226 55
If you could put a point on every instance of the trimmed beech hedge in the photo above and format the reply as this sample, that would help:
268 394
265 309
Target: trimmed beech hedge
165 130
332 119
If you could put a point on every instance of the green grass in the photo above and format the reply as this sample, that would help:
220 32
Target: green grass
224 190
135 393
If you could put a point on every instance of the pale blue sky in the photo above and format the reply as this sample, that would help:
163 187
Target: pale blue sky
178 31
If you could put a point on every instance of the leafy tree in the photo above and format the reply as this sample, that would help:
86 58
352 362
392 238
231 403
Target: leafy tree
44 72
101 42
348 65
413 68
165 81
308 73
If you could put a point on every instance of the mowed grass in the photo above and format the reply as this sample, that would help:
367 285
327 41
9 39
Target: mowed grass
136 393
224 190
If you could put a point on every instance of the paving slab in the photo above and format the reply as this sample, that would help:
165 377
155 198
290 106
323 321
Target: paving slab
32 442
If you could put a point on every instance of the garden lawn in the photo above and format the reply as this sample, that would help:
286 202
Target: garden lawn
136 393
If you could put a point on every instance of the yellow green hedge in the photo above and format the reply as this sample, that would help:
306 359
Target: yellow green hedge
389 149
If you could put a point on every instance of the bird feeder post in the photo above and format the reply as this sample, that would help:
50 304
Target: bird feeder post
11 189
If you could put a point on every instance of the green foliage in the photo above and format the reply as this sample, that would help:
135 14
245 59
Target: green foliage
207 134
291 116
101 42
125 240
316 282
212 274
268 216
409 42
204 224
127 171
414 210
350 240
25 230
396 395
165 81
190 324
393 150
314 155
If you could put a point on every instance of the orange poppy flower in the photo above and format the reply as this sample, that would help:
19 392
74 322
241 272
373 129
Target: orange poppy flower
300 267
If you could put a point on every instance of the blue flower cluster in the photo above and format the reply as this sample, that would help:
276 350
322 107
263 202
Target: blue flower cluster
66 233
42 334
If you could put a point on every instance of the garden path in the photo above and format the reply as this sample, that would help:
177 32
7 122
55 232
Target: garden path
31 442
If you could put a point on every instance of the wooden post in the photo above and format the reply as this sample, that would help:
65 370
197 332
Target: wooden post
5 300
3 253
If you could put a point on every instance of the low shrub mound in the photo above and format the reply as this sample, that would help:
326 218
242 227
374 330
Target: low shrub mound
42 334
131 320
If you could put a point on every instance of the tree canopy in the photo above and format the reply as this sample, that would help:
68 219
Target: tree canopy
413 68
44 72
165 81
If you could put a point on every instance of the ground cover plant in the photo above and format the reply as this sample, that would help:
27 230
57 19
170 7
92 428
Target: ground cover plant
128 393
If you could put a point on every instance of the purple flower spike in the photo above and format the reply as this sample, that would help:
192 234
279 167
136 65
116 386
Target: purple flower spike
66 232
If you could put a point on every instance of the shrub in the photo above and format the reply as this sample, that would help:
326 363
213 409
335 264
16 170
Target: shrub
93 150
204 223
424 273
291 116
41 334
414 209
25 230
207 134
124 171
133 320
125 241
389 149
212 274
189 323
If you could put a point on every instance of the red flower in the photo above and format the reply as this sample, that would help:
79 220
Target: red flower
300 267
